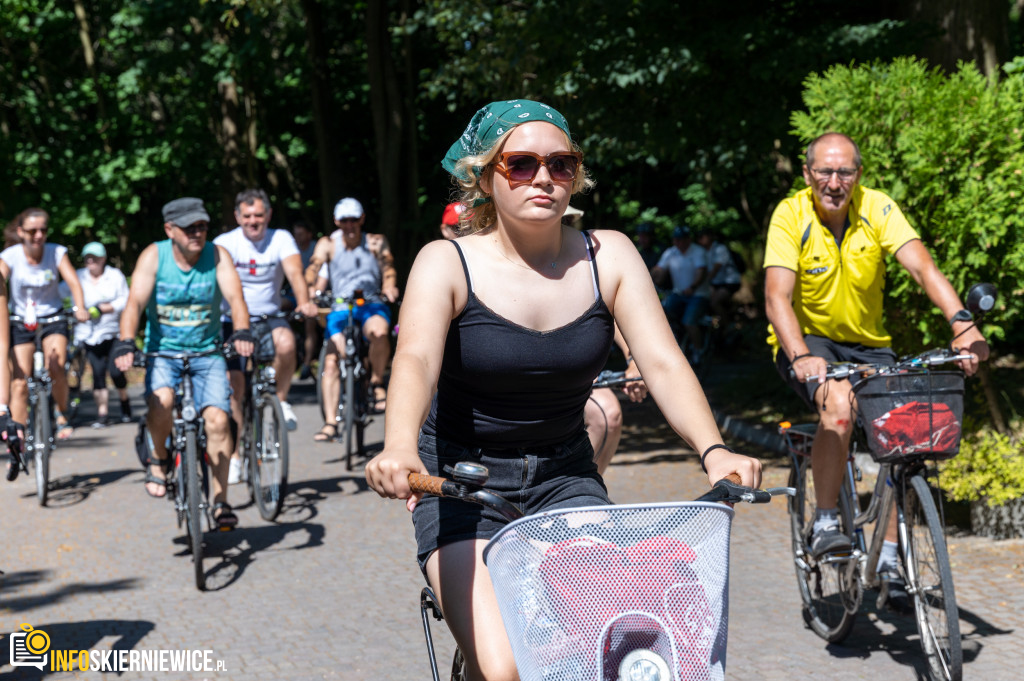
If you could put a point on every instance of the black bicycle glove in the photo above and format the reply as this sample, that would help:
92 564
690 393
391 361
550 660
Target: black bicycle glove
244 335
122 347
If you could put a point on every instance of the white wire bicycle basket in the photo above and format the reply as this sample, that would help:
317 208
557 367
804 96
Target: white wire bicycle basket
616 593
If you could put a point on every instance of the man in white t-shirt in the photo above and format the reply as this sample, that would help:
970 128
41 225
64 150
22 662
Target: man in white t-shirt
687 301
263 259
724 277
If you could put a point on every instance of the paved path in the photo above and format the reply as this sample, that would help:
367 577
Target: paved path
331 590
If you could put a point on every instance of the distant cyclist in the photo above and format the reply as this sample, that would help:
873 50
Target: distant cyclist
263 258
34 269
106 293
180 283
687 301
306 242
356 261
724 278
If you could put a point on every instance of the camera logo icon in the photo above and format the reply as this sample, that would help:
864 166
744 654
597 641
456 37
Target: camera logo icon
29 647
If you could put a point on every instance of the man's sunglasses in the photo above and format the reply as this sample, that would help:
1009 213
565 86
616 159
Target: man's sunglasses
520 167
195 228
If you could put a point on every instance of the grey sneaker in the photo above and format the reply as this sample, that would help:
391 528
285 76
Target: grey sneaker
829 540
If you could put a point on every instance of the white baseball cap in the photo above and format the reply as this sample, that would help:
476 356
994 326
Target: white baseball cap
348 208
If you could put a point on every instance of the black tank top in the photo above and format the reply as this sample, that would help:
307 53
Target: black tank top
504 386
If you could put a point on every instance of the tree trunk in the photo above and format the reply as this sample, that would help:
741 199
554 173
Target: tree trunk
971 30
232 179
331 184
388 120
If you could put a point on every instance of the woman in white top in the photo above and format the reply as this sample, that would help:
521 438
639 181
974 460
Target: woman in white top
105 291
33 270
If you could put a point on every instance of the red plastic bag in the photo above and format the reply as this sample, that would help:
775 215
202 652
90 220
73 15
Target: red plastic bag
917 427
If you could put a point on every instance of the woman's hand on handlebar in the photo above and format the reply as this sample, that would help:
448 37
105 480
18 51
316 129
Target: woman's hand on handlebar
388 475
636 391
720 463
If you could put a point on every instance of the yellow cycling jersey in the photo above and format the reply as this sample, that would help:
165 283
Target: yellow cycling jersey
839 288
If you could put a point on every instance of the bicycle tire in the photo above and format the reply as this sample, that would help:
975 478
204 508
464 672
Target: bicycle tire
268 457
350 401
190 466
320 379
42 432
830 592
930 582
458 666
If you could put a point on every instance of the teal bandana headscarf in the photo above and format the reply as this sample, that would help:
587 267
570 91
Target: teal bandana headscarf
491 122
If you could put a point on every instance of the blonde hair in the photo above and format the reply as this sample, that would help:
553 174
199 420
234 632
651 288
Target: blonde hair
481 212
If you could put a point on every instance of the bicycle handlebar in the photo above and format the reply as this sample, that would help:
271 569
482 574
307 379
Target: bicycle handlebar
727 490
613 379
928 358
62 316
141 357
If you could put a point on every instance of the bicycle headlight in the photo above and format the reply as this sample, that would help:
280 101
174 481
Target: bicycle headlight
643 665
270 373
188 412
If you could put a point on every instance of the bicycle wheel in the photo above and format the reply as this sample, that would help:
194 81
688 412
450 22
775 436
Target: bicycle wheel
268 458
830 590
930 582
320 380
190 467
42 432
458 666
350 400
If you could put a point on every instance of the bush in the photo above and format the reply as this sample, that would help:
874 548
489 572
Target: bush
989 466
950 152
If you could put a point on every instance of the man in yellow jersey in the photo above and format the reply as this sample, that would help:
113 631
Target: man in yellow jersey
824 281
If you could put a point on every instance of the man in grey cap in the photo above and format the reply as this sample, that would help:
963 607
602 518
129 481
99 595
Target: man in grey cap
180 283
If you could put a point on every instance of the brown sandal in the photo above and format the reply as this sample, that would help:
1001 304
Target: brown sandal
379 403
323 435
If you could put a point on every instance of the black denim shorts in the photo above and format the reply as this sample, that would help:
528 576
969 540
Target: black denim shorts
534 479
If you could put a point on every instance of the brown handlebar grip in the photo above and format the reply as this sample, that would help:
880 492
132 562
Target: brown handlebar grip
426 483
733 478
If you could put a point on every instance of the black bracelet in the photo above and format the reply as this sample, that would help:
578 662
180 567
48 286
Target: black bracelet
799 357
711 449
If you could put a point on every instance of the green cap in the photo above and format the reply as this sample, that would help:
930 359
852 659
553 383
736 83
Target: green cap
493 121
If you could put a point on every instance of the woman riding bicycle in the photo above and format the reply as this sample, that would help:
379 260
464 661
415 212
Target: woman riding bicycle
34 269
511 325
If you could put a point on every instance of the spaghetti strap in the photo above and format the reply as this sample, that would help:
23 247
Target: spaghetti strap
593 265
465 266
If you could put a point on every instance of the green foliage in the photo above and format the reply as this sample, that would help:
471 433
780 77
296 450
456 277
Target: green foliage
950 151
989 466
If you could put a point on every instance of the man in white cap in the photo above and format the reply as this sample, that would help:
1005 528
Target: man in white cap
356 261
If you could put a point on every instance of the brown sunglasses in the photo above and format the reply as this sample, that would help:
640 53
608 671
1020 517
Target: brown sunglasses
520 167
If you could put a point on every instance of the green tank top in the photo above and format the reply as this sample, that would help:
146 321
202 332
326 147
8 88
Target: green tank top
183 314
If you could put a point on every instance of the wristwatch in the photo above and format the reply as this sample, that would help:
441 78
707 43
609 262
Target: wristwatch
961 316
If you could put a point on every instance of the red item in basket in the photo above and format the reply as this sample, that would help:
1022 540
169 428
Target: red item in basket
591 582
917 427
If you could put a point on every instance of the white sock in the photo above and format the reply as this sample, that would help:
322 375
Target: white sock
888 558
826 519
